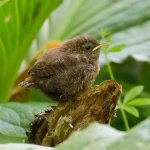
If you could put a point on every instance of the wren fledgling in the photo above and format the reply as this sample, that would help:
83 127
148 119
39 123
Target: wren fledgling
63 71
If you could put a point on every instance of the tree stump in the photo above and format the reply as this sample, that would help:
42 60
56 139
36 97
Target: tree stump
53 126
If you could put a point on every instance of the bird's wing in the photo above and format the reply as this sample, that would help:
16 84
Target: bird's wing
40 69
45 69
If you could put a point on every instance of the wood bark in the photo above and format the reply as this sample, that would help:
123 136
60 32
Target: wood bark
53 126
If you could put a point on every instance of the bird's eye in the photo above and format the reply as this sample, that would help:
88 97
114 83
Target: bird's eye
87 47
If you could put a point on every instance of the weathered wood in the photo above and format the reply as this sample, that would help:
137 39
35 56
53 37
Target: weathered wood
95 104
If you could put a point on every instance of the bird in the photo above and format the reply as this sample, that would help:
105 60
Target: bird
67 69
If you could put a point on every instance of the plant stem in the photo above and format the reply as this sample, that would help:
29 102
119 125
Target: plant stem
125 120
109 68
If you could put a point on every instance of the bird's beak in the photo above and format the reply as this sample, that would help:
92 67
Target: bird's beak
99 46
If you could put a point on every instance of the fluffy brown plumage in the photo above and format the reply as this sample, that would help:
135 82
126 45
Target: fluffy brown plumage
65 70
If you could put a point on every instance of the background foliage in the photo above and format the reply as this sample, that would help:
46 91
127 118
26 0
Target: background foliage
125 23
20 22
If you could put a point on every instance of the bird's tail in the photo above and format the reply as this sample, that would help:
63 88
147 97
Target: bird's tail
28 82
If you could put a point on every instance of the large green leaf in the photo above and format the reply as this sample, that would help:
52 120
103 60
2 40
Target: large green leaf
15 117
19 23
80 17
10 123
102 137
137 39
136 139
24 147
98 136
94 137
128 22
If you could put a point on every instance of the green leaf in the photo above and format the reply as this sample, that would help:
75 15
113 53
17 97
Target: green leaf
132 110
139 102
136 139
15 117
94 137
104 32
8 126
132 93
137 43
2 2
7 139
17 18
117 17
117 48
105 15
103 137
108 39
24 147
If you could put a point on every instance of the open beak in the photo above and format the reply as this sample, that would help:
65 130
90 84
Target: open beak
100 45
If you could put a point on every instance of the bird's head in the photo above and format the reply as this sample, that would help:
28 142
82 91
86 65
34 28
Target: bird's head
85 45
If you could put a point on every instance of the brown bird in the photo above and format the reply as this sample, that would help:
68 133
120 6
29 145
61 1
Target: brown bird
63 71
